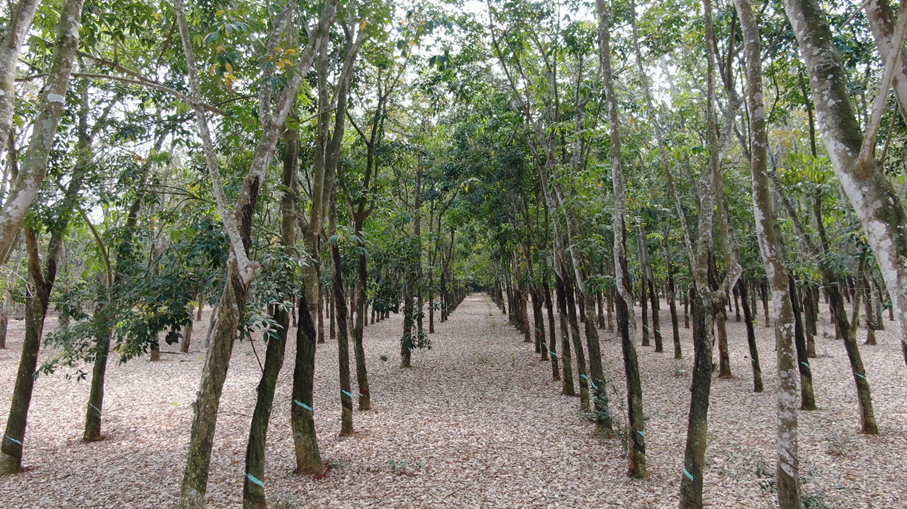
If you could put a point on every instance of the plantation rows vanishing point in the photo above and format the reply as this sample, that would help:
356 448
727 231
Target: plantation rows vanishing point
512 253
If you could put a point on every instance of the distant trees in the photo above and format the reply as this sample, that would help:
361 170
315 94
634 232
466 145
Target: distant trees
288 165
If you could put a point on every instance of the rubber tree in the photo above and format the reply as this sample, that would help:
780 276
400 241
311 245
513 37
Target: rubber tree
625 316
21 15
878 206
53 101
324 178
253 483
787 473
42 284
238 222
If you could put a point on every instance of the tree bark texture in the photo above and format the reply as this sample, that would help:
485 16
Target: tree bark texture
787 473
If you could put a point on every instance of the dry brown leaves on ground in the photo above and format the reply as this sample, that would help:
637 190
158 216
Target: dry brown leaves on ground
477 422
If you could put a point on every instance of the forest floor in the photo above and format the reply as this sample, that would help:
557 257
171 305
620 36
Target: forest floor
476 422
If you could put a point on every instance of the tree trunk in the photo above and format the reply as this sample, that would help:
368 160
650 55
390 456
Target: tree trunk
787 474
866 291
867 415
253 483
302 418
343 346
877 204
809 315
332 320
21 16
365 395
577 344
238 225
217 360
751 337
407 343
672 300
643 303
648 286
322 297
567 388
52 104
656 326
807 395
698 424
538 318
12 445
763 292
625 317
552 335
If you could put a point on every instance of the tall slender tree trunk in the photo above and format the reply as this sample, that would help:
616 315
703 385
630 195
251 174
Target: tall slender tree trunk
787 474
625 317
648 282
567 387
807 394
365 395
751 337
539 320
343 346
253 483
580 355
552 334
809 316
672 300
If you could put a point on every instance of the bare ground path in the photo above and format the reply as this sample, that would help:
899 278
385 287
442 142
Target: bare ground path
477 422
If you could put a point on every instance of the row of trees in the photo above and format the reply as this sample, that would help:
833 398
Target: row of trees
690 130
255 159
293 165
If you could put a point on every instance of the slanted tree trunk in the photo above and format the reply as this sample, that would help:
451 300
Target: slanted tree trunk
878 206
52 104
868 424
238 225
787 474
12 445
253 483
